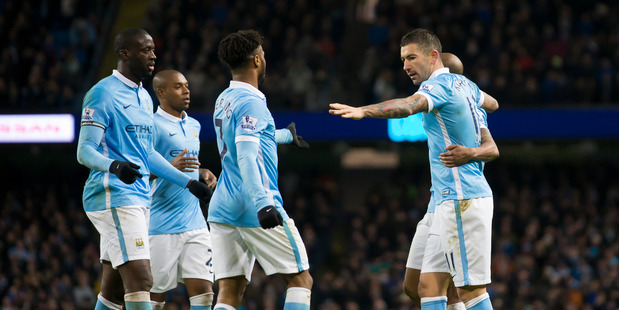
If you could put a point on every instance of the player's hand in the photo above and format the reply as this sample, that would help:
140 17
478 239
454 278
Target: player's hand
269 217
125 171
185 164
209 178
200 190
346 111
456 155
297 140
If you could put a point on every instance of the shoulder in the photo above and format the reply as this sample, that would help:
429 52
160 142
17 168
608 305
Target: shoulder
159 120
106 87
193 121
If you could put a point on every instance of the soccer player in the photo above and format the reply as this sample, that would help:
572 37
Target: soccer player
464 206
246 214
457 155
116 143
178 233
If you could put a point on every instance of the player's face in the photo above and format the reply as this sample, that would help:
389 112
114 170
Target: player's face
177 93
141 57
262 70
418 66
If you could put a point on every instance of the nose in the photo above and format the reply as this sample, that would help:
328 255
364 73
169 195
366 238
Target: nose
406 65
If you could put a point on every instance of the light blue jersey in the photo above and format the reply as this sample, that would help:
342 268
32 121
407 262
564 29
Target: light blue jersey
453 102
241 117
174 209
124 110
483 119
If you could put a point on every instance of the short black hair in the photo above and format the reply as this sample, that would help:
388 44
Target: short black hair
236 48
128 37
425 39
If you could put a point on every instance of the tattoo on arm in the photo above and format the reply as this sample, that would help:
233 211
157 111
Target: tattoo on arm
396 108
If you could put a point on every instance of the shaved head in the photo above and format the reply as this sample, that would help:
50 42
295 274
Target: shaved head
172 90
164 77
452 62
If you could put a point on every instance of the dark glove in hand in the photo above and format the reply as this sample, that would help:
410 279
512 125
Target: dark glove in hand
125 171
200 190
297 140
269 217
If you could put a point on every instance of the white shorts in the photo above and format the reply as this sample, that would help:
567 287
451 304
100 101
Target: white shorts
124 233
418 245
185 255
278 250
466 238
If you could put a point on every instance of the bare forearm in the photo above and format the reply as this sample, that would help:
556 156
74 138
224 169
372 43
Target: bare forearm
488 150
395 108
485 153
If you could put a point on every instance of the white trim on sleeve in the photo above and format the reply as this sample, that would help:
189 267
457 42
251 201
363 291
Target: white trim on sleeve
429 98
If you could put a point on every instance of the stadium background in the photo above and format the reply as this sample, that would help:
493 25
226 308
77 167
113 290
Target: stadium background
553 66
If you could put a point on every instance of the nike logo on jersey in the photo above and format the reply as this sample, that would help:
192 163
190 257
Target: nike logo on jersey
269 210
173 134
126 106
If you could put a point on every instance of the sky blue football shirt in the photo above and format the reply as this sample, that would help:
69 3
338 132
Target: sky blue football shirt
241 116
174 209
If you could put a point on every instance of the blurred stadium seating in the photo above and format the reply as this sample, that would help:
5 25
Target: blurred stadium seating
556 217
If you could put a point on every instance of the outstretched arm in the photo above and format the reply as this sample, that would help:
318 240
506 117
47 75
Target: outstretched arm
395 108
458 155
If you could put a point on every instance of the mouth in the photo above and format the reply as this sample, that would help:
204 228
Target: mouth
151 67
186 99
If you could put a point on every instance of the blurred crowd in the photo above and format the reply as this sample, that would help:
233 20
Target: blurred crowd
555 243
47 53
527 53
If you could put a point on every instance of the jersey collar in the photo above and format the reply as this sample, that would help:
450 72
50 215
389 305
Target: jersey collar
125 80
171 117
437 72
239 84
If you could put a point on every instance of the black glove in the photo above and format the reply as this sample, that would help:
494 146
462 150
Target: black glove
269 217
200 190
297 140
125 171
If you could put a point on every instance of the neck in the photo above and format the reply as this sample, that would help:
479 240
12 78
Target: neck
124 70
247 77
169 110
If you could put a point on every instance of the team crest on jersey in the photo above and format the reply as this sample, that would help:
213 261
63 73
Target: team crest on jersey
139 243
249 123
427 88
87 114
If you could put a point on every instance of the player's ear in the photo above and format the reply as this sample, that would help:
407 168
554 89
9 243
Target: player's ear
435 56
123 54
160 92
257 61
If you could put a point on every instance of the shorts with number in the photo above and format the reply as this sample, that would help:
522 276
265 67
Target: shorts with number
185 255
418 245
124 233
278 250
466 238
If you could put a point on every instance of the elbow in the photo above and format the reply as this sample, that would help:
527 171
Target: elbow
496 154
493 106
80 156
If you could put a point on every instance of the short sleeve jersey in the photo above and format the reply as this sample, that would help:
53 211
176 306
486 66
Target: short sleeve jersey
124 110
452 118
241 115
174 209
